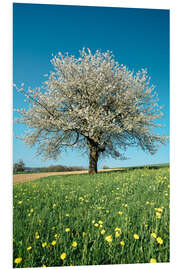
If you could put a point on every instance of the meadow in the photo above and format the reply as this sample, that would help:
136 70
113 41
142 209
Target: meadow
108 218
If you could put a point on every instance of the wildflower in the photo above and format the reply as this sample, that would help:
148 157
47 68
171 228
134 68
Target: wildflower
32 210
29 248
158 210
136 236
44 244
83 234
53 243
120 213
56 235
100 226
74 244
43 265
153 235
159 240
122 243
67 215
96 224
100 222
54 205
19 202
29 215
63 256
158 215
109 238
103 232
117 229
36 235
93 221
18 260
153 260
67 229
117 234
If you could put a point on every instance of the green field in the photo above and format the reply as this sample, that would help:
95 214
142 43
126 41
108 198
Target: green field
108 218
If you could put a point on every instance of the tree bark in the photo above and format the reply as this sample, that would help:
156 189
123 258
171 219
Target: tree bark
93 157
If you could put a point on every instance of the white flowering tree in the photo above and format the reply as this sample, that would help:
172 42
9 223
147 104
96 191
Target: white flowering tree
91 103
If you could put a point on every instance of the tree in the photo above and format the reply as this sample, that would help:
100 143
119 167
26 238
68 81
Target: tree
91 103
19 166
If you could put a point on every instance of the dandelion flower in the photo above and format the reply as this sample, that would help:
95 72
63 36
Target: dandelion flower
96 224
159 240
54 205
19 202
117 229
29 248
100 226
120 213
93 221
100 222
56 235
63 256
74 244
18 260
108 238
153 235
67 229
153 260
117 234
103 232
44 244
32 210
43 265
122 243
136 236
158 215
67 215
53 243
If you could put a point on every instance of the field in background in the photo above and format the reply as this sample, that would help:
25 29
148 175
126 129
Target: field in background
108 218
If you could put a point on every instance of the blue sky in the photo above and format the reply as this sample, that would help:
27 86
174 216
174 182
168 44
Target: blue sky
139 38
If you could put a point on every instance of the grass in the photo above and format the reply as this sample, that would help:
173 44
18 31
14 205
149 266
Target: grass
118 204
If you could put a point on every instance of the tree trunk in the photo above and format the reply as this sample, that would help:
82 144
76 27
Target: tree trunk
93 157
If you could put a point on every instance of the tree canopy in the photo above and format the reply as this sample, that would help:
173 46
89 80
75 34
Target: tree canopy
93 103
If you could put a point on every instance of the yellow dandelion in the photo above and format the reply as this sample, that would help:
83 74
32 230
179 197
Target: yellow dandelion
43 265
53 243
67 215
67 229
54 205
93 221
117 229
158 215
122 243
74 244
83 234
37 236
44 244
63 256
136 236
19 202
117 234
32 210
18 260
96 224
154 235
103 232
56 235
158 210
120 213
109 238
29 248
100 226
29 215
100 222
159 240
152 260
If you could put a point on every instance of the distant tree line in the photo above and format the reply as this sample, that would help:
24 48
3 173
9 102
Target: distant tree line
19 167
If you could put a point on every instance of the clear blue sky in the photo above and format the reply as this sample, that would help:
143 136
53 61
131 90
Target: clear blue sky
139 38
